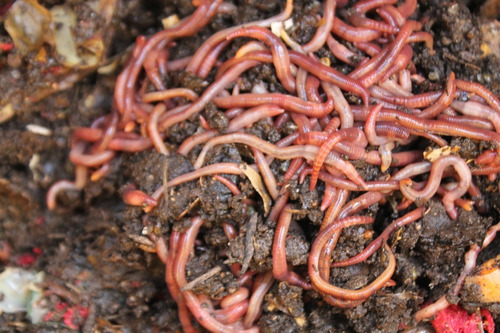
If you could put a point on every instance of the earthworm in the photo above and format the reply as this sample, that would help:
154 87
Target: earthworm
182 310
487 157
108 132
279 52
284 153
332 125
391 15
407 7
313 66
330 75
204 317
252 115
238 296
404 78
423 36
229 168
369 128
340 51
341 105
78 157
233 113
385 145
362 202
364 6
328 197
490 235
250 47
131 145
220 36
153 129
364 22
357 137
312 85
430 125
326 147
416 101
156 96
353 34
132 196
401 62
263 283
480 90
229 184
369 48
442 303
479 110
324 287
302 122
187 145
393 50
62 185
232 313
295 165
279 204
152 66
267 174
486 170
383 237
127 79
210 59
341 183
229 230
101 172
443 102
433 183
394 88
280 267
287 102
432 309
467 120
300 83
228 77
178 64
323 30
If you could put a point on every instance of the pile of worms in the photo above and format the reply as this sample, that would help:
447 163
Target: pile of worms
367 114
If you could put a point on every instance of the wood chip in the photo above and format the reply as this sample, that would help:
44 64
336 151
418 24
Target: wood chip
6 113
251 228
201 278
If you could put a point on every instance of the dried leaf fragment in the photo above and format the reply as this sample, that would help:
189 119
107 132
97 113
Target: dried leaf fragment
258 185
433 154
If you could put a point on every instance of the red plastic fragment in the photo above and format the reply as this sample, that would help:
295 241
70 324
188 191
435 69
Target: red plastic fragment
75 313
26 260
455 319
6 47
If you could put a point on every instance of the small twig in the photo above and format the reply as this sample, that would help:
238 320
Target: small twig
165 181
249 246
144 243
191 206
201 278
88 326
141 240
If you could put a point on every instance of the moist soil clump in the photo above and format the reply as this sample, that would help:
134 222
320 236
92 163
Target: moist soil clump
99 269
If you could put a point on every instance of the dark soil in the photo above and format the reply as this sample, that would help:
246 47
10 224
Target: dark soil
89 248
